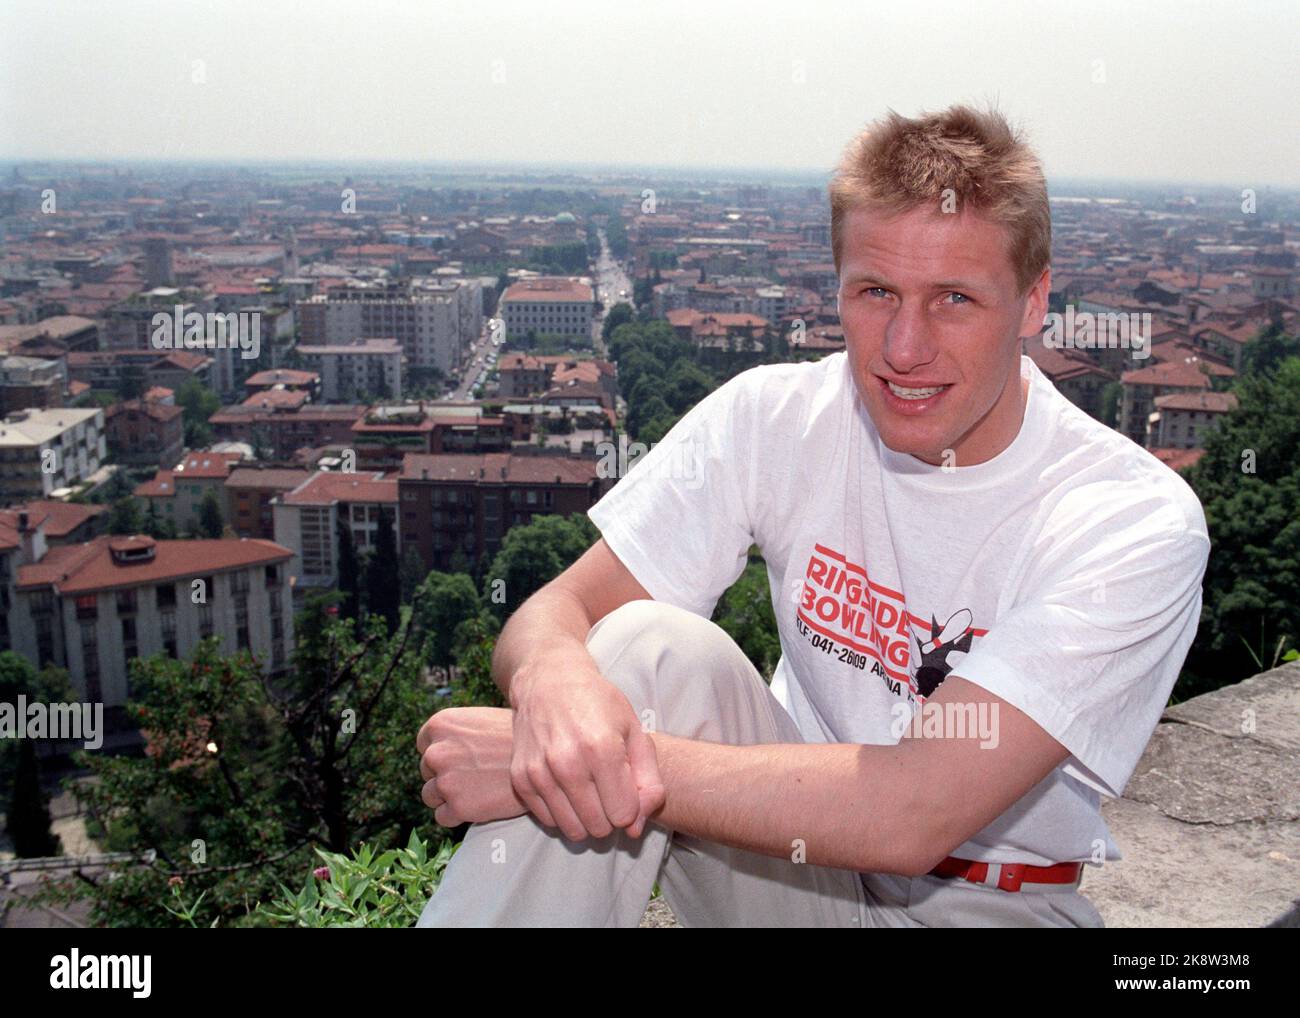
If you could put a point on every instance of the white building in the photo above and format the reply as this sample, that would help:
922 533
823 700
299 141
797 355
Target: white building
94 607
548 305
307 518
434 321
42 451
363 367
1181 419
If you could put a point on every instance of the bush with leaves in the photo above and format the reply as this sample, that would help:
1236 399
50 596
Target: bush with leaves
387 890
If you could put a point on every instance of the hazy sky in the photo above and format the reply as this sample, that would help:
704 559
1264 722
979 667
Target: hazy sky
1166 91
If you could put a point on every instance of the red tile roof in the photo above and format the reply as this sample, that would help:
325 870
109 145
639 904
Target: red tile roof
163 485
277 398
497 467
91 567
328 487
282 376
208 464
60 518
275 479
548 288
1180 373
1177 459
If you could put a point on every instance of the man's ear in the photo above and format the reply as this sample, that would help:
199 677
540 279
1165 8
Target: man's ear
1036 305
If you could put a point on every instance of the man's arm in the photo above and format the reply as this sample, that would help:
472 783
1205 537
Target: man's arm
892 809
552 625
581 761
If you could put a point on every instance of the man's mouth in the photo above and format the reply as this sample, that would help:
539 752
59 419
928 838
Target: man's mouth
905 392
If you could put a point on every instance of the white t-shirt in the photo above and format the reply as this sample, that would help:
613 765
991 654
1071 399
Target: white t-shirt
1063 575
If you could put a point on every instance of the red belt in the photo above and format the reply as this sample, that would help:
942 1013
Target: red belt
1011 875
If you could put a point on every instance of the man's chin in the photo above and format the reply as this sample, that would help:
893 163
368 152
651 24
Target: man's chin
906 438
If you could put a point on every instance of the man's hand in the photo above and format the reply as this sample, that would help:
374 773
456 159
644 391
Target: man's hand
582 761
465 763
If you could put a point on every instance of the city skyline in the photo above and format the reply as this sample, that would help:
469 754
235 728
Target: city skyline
1104 93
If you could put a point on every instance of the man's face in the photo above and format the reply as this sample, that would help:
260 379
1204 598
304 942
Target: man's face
929 302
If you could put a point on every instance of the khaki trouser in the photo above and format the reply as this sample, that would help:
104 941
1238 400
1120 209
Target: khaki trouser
700 685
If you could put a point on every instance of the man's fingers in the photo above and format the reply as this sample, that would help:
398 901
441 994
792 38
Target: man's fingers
645 768
429 794
558 803
585 800
614 785
537 807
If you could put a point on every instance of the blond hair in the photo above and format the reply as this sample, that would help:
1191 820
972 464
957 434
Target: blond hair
956 159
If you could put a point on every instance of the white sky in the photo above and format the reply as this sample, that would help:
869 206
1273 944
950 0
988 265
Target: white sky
1198 92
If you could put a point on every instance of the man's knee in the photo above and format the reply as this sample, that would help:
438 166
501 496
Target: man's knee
652 640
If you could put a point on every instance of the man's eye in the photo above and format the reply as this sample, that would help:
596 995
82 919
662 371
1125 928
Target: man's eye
964 299
875 290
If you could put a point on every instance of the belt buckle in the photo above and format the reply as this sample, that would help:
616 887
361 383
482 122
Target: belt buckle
1012 876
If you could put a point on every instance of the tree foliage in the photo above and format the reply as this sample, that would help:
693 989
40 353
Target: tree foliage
1248 482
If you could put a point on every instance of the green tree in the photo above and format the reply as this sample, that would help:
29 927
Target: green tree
744 612
241 779
619 314
349 571
28 818
413 573
211 521
383 582
198 403
124 517
1248 482
447 600
1111 393
534 554
1266 351
19 678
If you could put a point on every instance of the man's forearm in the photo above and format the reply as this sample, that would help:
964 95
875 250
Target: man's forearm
839 805
550 625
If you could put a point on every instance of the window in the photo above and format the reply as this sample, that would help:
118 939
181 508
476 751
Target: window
272 577
205 621
126 604
166 596
90 652
88 606
130 648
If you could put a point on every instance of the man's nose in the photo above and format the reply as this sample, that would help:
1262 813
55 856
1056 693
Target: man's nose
909 343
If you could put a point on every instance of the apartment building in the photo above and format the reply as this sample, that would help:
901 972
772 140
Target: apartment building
548 305
47 451
359 368
433 322
453 502
250 497
145 433
306 520
1143 386
1181 420
177 494
285 430
30 383
94 607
